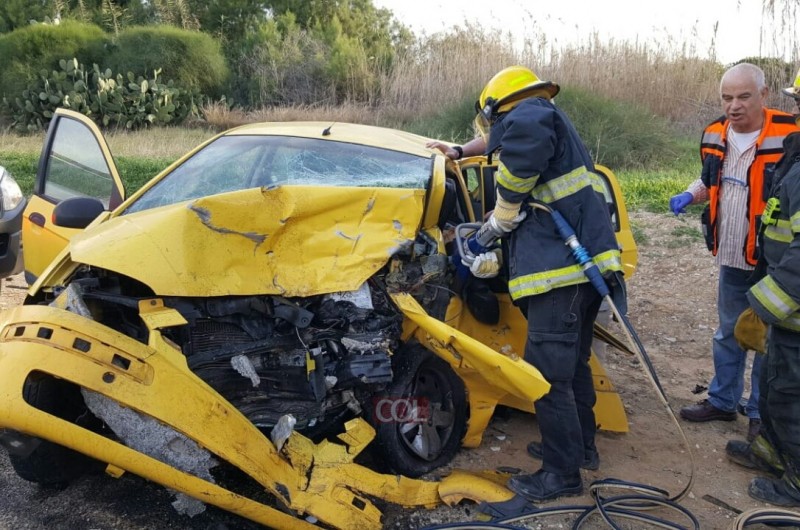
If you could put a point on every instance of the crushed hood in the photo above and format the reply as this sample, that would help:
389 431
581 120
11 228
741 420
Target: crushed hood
290 240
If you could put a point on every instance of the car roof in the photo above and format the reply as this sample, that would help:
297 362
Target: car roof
369 135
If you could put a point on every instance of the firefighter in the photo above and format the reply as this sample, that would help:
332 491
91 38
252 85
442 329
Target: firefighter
542 158
775 301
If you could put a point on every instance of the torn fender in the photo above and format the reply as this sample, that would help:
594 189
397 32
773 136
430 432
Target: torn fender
481 486
506 375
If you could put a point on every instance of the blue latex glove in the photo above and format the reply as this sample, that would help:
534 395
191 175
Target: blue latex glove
678 202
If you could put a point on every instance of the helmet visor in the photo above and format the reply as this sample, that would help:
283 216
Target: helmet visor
484 119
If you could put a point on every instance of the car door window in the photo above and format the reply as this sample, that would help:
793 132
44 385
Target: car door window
76 165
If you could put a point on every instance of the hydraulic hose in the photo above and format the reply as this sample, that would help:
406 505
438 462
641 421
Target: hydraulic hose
644 497
628 505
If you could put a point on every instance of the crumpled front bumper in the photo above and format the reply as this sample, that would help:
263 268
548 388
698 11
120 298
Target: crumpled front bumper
316 479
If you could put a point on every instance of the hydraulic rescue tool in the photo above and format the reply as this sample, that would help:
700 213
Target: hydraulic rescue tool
473 239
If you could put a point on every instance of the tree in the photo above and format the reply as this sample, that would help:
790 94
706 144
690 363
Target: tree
375 29
229 19
18 13
784 43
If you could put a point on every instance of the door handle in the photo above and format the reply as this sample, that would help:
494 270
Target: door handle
37 219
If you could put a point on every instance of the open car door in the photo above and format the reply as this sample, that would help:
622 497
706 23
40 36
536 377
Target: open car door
75 162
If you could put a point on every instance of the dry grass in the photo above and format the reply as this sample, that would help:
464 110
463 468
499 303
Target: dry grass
670 79
20 144
446 68
676 86
158 142
222 117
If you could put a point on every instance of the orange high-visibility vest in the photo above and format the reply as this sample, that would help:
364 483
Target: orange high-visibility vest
769 148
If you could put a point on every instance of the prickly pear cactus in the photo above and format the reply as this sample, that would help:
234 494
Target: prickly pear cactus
127 101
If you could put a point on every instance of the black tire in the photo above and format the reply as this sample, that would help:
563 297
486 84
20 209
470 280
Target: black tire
50 464
415 447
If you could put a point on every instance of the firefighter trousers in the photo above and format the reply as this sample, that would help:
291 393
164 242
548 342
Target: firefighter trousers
779 402
560 329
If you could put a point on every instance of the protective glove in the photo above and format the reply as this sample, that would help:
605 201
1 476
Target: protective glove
486 265
619 292
750 331
678 202
506 215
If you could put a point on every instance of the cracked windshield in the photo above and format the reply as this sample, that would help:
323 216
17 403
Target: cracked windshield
234 163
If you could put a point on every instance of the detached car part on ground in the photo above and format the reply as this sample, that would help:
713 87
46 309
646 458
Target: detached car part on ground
280 300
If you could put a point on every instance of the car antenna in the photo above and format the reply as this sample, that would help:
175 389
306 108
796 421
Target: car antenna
327 131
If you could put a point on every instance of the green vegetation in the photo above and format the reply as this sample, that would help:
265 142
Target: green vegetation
639 235
134 171
686 233
23 167
639 108
189 58
125 102
27 51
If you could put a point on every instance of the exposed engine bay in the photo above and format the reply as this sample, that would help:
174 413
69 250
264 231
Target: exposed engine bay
319 358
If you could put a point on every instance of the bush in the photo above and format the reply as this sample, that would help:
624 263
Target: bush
190 58
26 51
452 122
283 64
618 134
123 101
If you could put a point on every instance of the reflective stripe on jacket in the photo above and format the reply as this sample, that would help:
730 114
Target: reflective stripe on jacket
776 298
541 157
777 125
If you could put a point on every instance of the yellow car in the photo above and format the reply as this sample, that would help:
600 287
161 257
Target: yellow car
279 300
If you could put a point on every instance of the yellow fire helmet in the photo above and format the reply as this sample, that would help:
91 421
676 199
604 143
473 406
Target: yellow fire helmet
505 90
794 90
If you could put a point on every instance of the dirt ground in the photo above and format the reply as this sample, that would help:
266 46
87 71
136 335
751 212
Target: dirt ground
672 307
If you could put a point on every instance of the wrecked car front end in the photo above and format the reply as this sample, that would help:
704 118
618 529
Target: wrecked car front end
258 302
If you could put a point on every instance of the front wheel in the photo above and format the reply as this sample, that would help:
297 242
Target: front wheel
421 418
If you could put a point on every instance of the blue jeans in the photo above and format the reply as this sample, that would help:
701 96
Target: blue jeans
729 359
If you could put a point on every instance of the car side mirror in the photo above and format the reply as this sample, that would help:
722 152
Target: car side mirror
77 212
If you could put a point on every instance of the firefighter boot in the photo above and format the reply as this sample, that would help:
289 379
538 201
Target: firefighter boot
779 492
740 452
543 485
